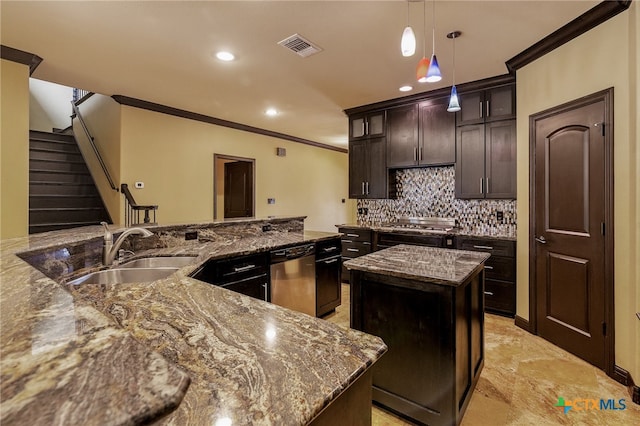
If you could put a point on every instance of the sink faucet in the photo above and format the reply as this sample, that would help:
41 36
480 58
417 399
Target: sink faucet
110 249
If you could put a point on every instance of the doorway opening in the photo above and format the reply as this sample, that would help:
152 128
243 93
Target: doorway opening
233 187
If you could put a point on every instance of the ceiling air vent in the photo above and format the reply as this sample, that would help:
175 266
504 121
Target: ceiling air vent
300 46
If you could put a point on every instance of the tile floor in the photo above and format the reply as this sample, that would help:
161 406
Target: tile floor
523 377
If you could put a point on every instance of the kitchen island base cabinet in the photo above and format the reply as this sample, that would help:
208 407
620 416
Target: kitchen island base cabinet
435 337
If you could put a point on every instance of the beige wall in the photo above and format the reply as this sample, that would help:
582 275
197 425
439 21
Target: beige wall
102 117
174 159
49 105
604 57
14 149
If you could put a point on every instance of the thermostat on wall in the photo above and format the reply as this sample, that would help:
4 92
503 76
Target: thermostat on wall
139 185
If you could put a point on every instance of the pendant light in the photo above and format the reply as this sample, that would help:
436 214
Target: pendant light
433 75
423 65
408 41
454 105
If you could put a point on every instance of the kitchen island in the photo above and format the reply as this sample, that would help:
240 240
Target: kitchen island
427 304
174 350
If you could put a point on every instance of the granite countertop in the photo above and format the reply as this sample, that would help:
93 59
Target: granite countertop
419 231
424 264
131 353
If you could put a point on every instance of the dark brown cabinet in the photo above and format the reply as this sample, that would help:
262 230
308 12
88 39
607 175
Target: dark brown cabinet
486 160
500 272
367 168
355 242
328 276
483 106
367 125
385 240
421 135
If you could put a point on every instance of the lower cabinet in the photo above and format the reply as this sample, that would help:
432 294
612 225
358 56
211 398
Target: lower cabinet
500 283
243 274
328 274
356 242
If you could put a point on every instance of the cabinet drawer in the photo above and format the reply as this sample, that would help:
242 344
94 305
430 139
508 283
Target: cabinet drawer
501 268
500 296
393 239
239 268
355 234
326 249
353 249
494 247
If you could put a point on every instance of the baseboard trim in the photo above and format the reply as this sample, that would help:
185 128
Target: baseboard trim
623 377
523 323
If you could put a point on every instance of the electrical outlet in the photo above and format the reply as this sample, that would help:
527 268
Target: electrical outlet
266 227
271 200
191 235
139 185
500 216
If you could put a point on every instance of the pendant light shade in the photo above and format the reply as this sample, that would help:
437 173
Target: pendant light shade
433 75
408 42
421 71
454 105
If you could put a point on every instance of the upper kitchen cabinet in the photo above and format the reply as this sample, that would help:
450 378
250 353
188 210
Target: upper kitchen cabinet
368 168
486 160
487 105
367 125
421 135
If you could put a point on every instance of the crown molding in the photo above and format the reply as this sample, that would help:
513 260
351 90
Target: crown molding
14 55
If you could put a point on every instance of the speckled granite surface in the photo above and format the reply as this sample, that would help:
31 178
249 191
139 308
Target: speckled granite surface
425 264
123 354
418 231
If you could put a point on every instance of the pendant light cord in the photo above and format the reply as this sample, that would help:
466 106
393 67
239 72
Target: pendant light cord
454 59
434 27
424 28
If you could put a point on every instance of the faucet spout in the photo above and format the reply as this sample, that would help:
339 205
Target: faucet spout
110 248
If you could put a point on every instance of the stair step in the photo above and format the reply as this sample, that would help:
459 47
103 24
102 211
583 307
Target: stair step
48 136
54 155
64 201
58 165
61 188
60 176
66 215
45 227
53 145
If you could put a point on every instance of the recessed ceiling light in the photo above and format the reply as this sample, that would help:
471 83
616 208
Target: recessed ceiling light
405 88
225 56
271 112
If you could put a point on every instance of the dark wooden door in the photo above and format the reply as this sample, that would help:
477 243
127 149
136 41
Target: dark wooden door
500 103
238 189
437 134
569 226
500 159
472 108
402 139
376 186
358 168
470 161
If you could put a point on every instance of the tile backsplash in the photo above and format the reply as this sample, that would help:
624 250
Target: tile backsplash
430 192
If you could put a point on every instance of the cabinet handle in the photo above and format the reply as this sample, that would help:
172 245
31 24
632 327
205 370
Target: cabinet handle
366 127
487 104
327 262
488 293
330 249
244 268
366 243
367 188
420 156
481 115
415 154
353 235
347 241
481 186
362 187
352 249
488 186
483 247
488 267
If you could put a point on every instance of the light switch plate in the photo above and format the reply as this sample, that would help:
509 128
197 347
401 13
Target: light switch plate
271 200
139 185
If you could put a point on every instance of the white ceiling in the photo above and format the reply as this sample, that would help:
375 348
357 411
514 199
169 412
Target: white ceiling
163 52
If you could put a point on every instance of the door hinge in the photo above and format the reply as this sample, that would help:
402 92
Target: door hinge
604 328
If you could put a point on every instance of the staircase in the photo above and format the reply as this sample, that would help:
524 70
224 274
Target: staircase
62 193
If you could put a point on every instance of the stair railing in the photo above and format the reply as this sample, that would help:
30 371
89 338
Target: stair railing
132 209
76 111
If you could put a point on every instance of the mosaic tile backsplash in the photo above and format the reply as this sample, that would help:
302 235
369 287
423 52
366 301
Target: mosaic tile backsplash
430 192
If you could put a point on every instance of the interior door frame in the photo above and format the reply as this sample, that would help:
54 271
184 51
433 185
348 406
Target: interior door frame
217 157
606 96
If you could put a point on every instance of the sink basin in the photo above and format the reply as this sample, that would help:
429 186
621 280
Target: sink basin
159 262
122 275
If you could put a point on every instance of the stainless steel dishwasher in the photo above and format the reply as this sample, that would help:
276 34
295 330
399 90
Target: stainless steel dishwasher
293 278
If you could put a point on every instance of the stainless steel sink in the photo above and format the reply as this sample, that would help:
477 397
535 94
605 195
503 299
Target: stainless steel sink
124 275
159 262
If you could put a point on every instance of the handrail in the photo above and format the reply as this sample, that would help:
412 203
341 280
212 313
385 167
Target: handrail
76 111
131 205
